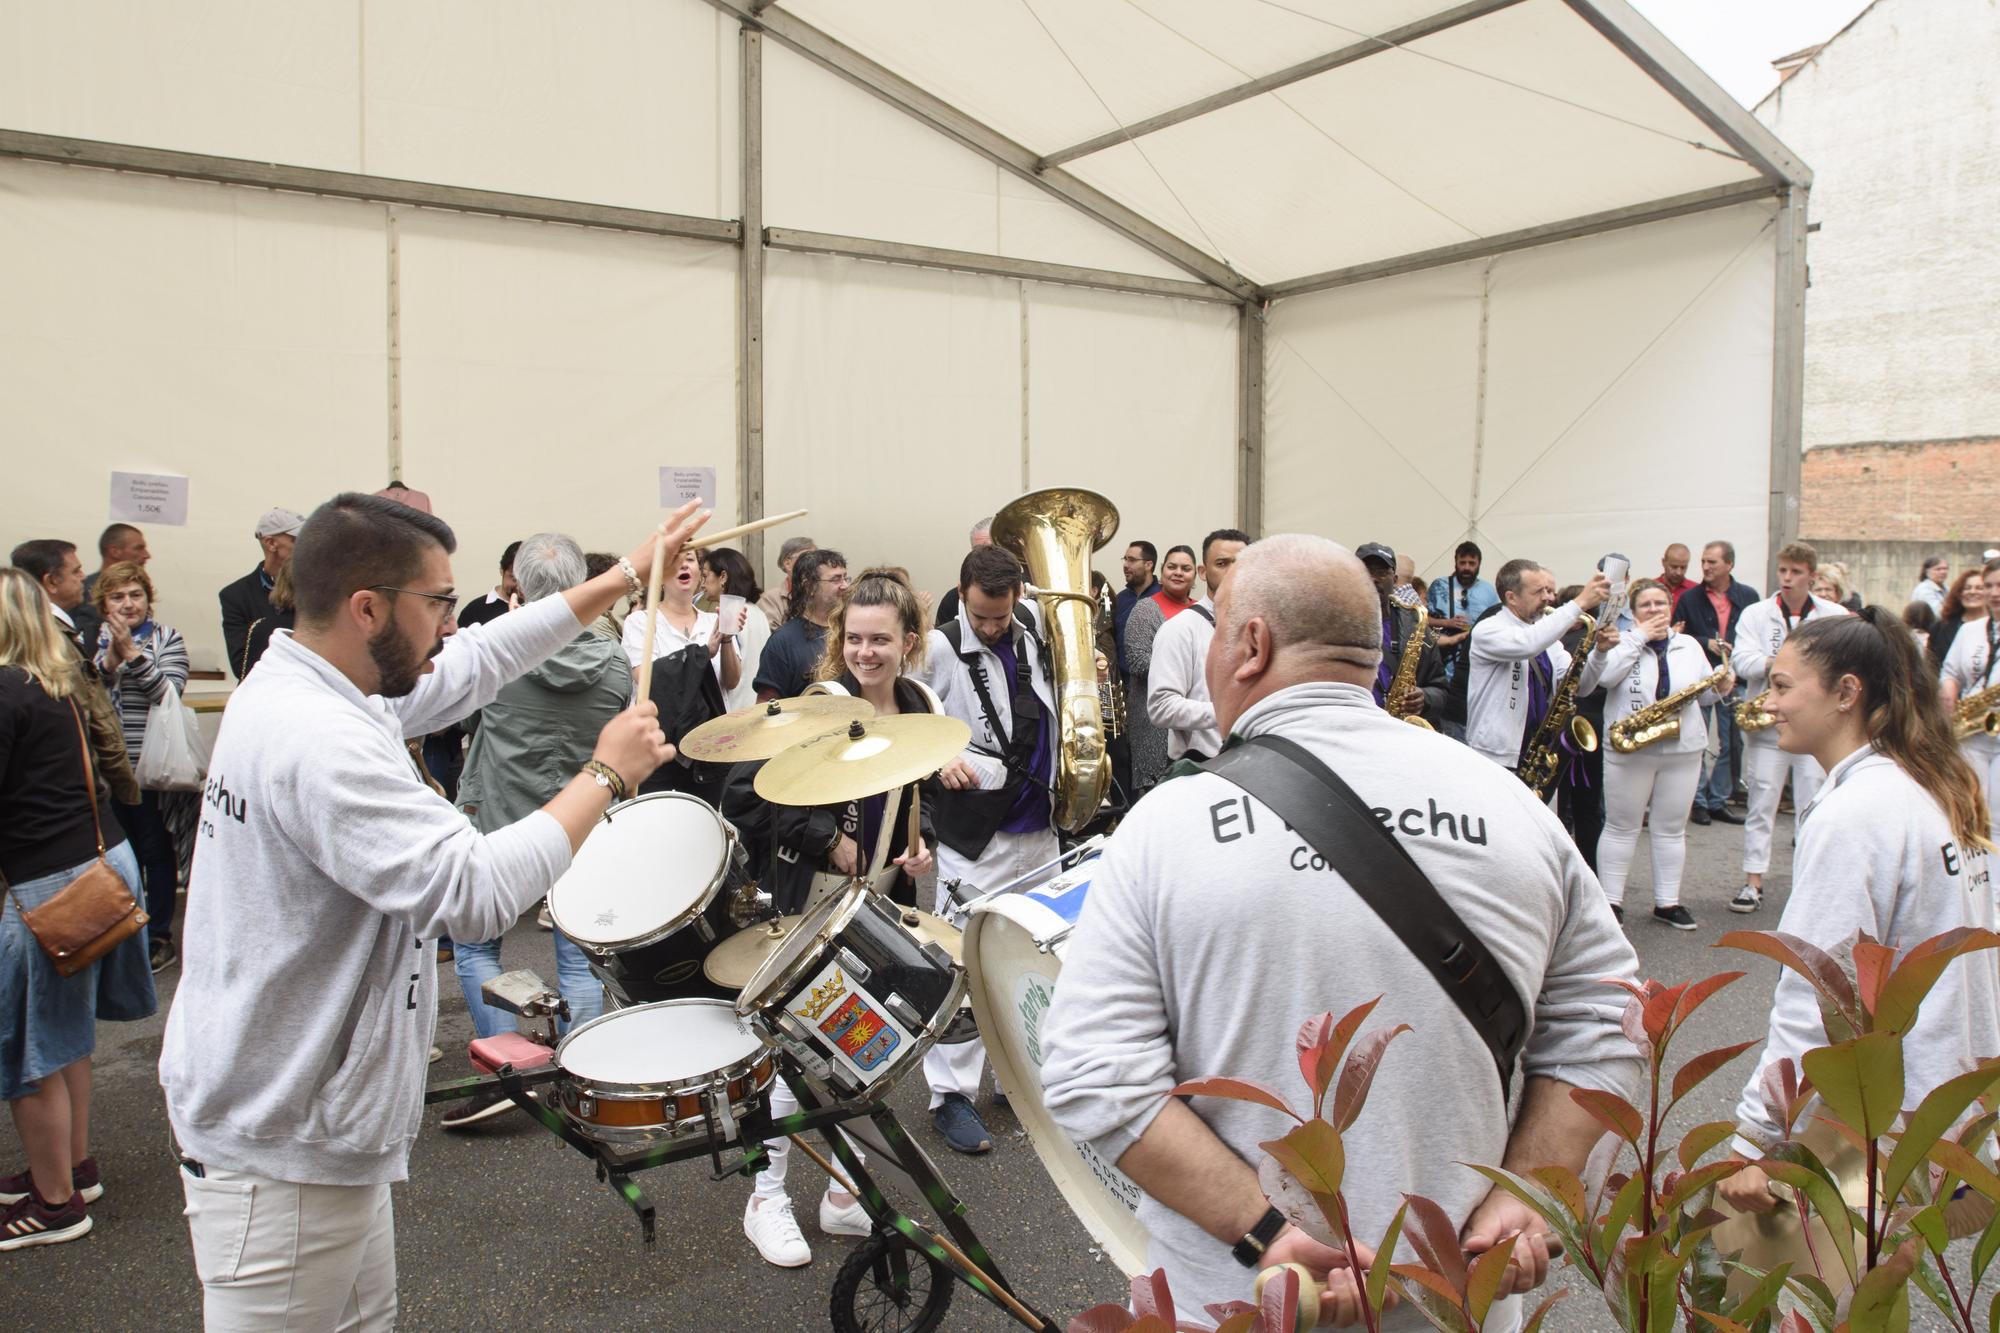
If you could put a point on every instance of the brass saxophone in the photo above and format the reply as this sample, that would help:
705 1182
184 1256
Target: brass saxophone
1405 679
1660 720
1542 762
1753 715
1110 685
1975 713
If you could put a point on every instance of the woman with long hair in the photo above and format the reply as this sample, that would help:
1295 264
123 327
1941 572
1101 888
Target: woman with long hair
142 660
1965 601
1176 594
726 573
54 817
1895 843
1655 785
1973 665
695 666
874 642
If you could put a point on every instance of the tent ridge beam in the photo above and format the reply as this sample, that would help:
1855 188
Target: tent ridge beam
352 185
877 79
1305 69
1000 266
1617 219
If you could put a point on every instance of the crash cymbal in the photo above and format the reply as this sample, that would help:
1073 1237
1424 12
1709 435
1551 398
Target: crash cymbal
862 760
763 730
936 930
735 960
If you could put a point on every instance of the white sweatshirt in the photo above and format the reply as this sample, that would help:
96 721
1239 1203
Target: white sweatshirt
300 1034
1876 853
1496 700
1760 632
1632 674
1212 931
1177 689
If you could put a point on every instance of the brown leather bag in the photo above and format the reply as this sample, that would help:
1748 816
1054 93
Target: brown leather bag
95 912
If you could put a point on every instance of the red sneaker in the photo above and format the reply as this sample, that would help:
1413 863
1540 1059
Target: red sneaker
83 1178
32 1222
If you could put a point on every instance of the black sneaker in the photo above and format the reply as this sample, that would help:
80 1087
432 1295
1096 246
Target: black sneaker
1618 913
961 1126
1676 916
1747 899
472 1110
164 955
1699 815
32 1222
1725 816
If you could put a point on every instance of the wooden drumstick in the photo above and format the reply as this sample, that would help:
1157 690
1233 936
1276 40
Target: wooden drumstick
652 613
709 539
916 819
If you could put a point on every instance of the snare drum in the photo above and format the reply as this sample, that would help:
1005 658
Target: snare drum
853 997
643 899
655 1074
1013 956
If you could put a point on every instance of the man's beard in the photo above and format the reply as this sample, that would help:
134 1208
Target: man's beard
398 665
1468 577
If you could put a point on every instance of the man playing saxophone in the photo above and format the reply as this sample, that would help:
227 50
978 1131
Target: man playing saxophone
1517 658
1656 681
1411 681
1970 685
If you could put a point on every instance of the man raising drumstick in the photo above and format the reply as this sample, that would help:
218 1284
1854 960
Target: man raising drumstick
295 1052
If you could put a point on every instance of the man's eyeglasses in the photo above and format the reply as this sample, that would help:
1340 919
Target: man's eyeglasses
447 600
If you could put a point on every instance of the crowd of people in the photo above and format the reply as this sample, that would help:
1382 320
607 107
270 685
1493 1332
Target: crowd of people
472 743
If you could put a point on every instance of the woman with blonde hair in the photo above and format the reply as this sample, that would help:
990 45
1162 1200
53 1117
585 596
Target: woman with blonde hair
55 821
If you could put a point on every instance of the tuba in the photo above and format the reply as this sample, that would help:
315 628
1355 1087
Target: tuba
1405 678
1542 762
1054 532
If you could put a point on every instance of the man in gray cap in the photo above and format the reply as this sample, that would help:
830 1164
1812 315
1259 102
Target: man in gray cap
248 600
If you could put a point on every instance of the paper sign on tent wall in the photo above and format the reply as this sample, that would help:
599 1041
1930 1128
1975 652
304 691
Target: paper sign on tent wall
145 497
678 485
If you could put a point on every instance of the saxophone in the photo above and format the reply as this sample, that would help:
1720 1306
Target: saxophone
1753 715
1110 686
1975 715
1405 679
1542 762
1661 719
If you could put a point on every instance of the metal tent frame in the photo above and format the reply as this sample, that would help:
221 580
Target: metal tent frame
1782 178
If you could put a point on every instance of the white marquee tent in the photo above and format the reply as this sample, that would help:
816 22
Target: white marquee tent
1373 268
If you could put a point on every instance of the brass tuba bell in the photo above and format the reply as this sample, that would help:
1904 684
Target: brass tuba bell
1054 533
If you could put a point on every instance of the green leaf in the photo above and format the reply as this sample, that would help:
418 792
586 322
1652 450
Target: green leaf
1760 1297
1932 1120
1825 1199
1695 1181
1928 1222
1700 1140
1983 1252
1812 1304
1378 1272
1696 1071
1861 1080
1934 1291
1612 1111
1620 1213
1315 1156
1235 1090
1881 1301
1482 1283
1441 1311
1358 1074
1896 1009
1534 1323
1966 1167
1568 1220
1722 1322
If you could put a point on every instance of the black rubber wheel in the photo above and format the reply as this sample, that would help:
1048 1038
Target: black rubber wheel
888 1286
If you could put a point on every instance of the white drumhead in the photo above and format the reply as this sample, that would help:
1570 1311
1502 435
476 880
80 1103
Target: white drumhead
1012 982
648 862
667 1042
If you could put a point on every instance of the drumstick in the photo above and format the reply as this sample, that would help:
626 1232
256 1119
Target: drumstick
709 539
916 819
652 613
891 807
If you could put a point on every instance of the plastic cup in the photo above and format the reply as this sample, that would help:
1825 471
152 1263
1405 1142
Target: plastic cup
732 611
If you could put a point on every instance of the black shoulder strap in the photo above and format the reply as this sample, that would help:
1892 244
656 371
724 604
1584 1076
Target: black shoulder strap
1324 810
1205 613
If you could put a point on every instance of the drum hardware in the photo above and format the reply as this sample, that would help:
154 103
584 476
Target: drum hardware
866 759
766 730
522 992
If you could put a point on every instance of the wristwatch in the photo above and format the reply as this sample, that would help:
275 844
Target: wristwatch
1250 1250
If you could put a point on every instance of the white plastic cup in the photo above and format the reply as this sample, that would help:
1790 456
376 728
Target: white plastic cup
732 611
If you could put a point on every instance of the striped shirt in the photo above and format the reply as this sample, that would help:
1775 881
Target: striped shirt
136 686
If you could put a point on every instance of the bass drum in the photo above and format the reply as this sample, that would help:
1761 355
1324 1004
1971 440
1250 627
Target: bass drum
1013 958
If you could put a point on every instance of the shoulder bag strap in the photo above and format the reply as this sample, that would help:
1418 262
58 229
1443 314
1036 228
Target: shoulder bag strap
1204 613
249 635
1324 810
89 777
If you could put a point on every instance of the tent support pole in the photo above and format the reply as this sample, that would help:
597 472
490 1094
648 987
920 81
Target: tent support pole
999 266
750 296
1788 376
1250 418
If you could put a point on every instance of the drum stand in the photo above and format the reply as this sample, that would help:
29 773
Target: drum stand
879 1277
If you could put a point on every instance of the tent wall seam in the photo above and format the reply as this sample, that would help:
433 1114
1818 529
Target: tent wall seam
750 292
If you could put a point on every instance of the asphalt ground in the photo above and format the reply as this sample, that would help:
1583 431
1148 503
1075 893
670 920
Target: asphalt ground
505 1226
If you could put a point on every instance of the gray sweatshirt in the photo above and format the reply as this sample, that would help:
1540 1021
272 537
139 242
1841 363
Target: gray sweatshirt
1212 931
298 1040
1876 853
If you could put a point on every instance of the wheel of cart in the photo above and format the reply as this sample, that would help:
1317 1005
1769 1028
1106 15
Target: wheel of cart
890 1286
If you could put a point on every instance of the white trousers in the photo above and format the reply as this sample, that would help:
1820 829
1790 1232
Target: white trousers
274 1255
1765 768
771 1180
1655 781
956 1068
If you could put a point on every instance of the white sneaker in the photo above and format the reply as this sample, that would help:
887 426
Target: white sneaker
1747 899
775 1232
848 1219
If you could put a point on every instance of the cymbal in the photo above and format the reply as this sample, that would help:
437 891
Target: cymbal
936 930
735 960
763 730
865 758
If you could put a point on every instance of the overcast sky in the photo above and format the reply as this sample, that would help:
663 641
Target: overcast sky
1736 40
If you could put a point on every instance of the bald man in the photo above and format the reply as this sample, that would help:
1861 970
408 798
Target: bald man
1674 572
1212 930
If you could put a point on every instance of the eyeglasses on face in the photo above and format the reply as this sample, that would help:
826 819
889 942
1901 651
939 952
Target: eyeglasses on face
447 601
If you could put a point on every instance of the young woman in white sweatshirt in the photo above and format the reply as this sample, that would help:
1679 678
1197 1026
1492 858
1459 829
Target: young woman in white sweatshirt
1969 667
1654 785
1895 843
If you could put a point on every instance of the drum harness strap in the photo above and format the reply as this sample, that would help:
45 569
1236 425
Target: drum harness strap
969 819
1324 810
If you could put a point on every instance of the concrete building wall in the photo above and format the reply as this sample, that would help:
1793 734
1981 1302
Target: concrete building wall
1899 117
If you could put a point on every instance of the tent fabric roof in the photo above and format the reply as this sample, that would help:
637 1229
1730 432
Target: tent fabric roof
1287 138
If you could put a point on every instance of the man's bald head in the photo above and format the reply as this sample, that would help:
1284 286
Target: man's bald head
1296 608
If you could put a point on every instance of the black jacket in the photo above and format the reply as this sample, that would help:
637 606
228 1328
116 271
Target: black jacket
244 603
788 844
1697 617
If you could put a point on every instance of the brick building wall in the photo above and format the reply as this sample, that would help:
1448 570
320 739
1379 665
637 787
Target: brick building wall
1881 508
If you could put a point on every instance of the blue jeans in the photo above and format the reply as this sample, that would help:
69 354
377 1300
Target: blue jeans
477 964
1718 779
158 865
